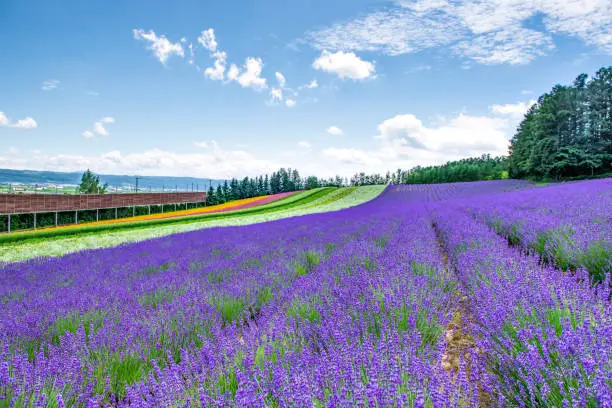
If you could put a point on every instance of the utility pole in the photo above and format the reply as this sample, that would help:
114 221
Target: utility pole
137 179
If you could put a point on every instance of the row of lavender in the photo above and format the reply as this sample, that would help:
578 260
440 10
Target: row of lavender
343 309
569 225
546 336
334 309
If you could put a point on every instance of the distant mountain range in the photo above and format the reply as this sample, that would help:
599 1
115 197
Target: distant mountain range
31 177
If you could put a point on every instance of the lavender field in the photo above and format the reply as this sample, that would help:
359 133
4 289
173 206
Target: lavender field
491 294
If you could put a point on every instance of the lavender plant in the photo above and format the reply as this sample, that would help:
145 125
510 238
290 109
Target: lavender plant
406 300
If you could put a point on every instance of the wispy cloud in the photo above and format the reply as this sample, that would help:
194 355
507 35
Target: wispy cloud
488 32
419 68
304 145
311 85
49 85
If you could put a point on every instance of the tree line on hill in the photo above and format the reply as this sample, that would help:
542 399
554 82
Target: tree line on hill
567 132
485 167
281 181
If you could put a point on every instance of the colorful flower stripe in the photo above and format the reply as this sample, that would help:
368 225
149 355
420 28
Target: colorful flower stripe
230 206
19 251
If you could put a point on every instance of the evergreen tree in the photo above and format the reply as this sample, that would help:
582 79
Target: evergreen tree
211 199
226 191
219 195
261 190
90 184
311 182
568 132
267 185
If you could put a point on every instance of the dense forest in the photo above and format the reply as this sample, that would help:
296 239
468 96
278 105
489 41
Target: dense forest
472 169
568 132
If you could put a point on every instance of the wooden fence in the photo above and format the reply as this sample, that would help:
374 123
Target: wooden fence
39 203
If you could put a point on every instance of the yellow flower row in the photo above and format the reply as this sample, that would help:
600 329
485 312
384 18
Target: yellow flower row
173 214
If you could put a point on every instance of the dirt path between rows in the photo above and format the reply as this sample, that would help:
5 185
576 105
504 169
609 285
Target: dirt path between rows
458 336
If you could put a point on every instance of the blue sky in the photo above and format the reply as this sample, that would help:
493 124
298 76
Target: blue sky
235 88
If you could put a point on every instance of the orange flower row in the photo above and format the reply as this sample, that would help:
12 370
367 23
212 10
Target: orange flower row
194 211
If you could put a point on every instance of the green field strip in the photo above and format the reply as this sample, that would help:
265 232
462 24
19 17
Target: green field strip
287 202
333 199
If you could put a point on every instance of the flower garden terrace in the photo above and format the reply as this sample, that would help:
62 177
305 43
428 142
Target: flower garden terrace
410 299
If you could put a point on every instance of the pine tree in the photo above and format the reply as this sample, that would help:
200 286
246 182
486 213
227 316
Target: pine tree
211 199
219 195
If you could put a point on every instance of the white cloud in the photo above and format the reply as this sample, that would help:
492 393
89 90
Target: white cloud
99 128
489 32
215 162
207 40
161 47
217 72
201 144
251 76
25 124
277 94
526 92
463 135
335 131
93 93
233 72
290 103
345 65
49 85
13 150
281 80
516 110
404 141
190 61
304 144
